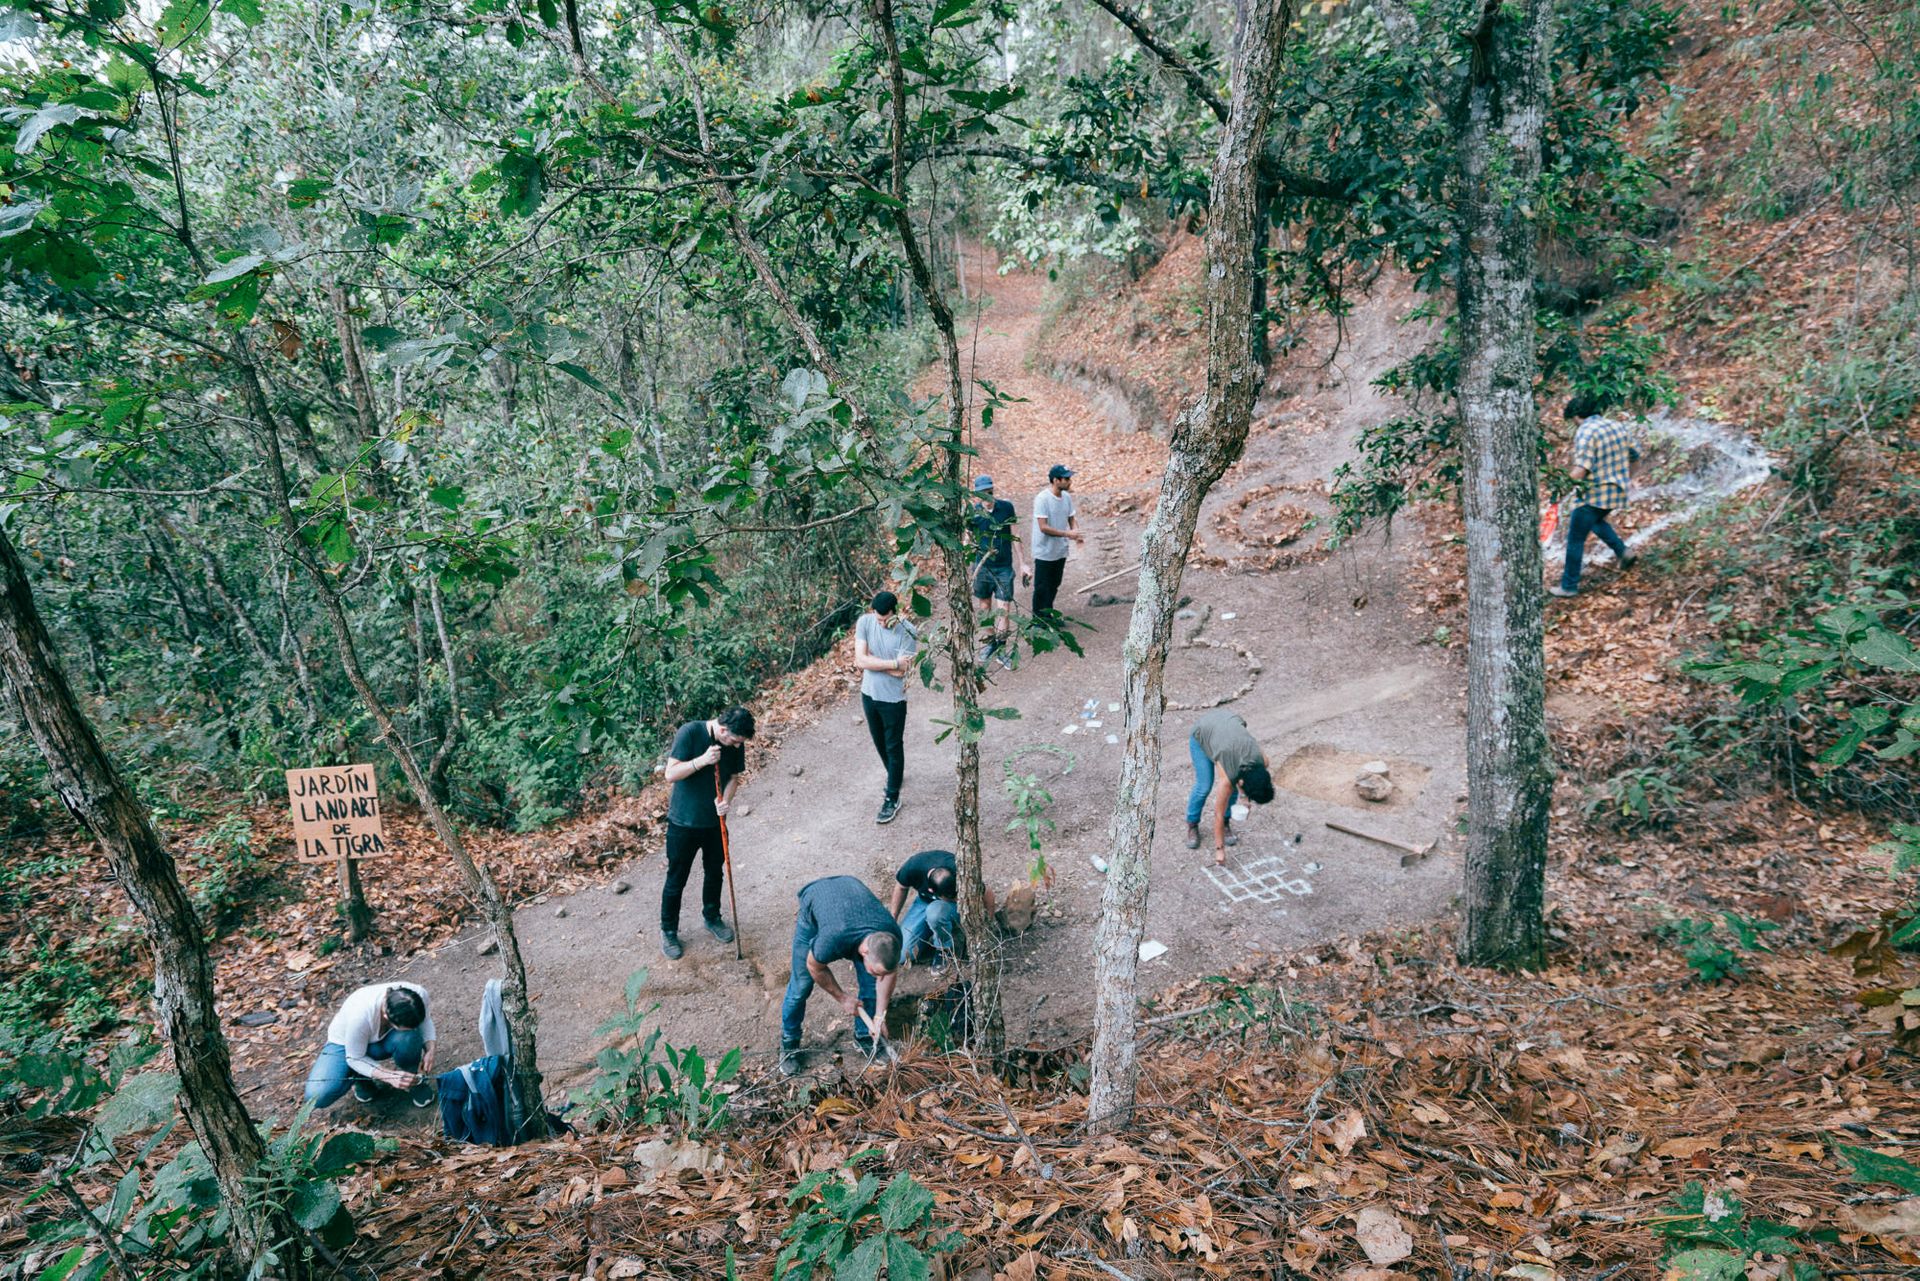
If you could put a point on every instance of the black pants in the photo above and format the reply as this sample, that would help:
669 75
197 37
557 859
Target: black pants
1046 584
682 844
887 723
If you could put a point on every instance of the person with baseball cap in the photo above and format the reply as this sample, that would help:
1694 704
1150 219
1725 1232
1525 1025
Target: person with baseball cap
991 529
1053 534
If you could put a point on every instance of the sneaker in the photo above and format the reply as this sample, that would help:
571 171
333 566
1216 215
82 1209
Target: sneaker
363 1091
987 651
421 1094
938 970
888 808
670 944
718 928
1231 838
1193 836
1009 659
1629 561
1563 593
789 1058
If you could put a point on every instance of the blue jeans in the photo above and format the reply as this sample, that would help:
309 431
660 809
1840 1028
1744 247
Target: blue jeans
1587 520
793 1012
935 925
1203 782
331 1076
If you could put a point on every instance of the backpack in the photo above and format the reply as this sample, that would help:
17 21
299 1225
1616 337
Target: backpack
480 1103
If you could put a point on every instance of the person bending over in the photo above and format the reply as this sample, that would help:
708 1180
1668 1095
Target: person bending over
839 920
381 1024
931 928
1226 761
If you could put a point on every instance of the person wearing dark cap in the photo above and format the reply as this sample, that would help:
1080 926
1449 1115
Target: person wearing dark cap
991 526
883 649
1053 535
704 765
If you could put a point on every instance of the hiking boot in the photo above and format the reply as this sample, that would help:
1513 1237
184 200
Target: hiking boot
363 1091
1562 592
888 808
421 1094
1629 561
718 928
670 944
1193 836
789 1058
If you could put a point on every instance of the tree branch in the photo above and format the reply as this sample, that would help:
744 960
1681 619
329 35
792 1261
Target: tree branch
1169 56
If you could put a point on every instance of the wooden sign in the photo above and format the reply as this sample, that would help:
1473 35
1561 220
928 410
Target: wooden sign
336 813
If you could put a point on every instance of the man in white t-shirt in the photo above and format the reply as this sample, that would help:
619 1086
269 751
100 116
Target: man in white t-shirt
1053 535
383 1023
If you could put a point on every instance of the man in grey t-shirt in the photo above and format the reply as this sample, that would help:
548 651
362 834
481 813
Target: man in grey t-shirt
1053 534
883 649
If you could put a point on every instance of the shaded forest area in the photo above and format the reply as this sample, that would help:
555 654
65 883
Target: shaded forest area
481 391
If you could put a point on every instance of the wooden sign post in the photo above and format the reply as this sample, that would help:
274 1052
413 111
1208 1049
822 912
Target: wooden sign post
336 819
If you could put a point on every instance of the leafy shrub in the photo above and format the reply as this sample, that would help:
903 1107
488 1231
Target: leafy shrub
1711 952
633 1086
1710 1237
851 1227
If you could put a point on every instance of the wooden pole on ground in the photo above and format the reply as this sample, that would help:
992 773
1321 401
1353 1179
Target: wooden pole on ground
1134 568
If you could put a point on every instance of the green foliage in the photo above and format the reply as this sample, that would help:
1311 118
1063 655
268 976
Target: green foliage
1869 1166
172 1217
1653 791
1710 1237
1712 945
1255 1013
228 873
852 1227
633 1086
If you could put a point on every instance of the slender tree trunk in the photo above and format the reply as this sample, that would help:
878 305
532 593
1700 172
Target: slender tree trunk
522 1022
183 994
963 675
1207 439
450 735
296 652
1500 117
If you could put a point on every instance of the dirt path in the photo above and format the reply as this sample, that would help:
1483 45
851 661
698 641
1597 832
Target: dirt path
1338 677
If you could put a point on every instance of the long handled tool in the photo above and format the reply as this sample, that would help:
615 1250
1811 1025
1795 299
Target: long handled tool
881 1051
1409 854
726 861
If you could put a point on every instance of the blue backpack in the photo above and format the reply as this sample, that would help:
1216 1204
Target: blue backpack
479 1103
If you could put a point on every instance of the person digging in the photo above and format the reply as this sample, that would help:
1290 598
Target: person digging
840 920
1227 760
704 766
930 929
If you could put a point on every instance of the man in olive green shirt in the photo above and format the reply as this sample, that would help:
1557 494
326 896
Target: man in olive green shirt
1227 760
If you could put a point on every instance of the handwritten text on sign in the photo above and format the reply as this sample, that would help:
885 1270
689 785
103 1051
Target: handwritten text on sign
336 813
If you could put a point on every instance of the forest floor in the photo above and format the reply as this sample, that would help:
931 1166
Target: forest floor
1322 660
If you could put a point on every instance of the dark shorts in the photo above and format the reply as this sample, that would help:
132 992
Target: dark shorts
997 583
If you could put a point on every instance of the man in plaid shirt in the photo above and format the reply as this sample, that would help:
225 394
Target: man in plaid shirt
1603 452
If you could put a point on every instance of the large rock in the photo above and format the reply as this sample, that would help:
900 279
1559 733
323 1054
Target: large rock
1017 907
1373 787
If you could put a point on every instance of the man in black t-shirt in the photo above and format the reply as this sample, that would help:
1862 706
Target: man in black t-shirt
839 920
931 927
991 527
704 766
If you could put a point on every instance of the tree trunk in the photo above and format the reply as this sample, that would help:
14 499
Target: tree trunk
963 675
1500 117
97 796
1207 439
522 1022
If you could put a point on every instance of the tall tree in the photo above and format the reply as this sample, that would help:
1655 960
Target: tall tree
265 1237
1207 439
1500 116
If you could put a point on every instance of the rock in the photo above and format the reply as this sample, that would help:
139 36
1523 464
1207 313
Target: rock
487 947
561 912
1373 787
796 770
1101 598
621 887
744 810
259 1018
289 1002
678 1154
1185 614
1376 767
1019 907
